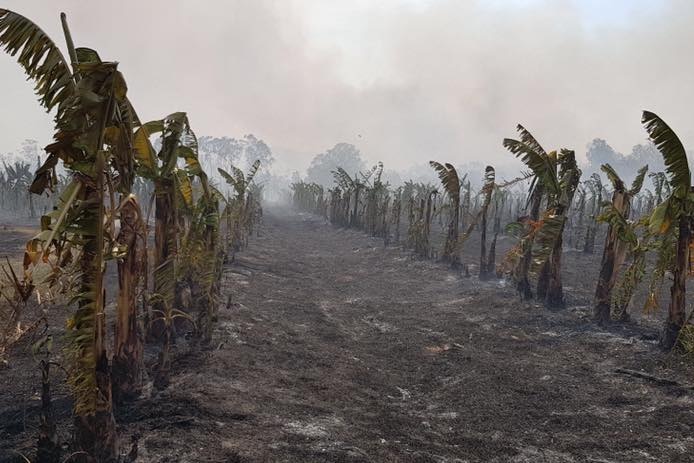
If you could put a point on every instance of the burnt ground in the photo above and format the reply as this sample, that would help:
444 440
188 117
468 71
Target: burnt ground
336 349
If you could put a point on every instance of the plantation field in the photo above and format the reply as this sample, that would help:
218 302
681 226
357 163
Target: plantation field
330 347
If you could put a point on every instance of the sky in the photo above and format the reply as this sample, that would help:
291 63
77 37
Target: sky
406 81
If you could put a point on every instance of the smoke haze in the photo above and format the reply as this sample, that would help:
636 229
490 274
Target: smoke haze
405 81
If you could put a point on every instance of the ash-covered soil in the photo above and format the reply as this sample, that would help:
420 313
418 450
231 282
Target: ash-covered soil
336 349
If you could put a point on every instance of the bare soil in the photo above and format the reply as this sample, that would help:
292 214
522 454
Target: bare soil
334 348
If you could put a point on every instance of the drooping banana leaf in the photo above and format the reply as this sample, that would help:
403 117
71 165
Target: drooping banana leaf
449 179
527 138
663 216
540 164
546 236
343 179
252 171
674 154
184 187
637 184
624 230
613 177
40 57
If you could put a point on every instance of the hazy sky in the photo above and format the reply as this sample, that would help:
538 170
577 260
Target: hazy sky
406 81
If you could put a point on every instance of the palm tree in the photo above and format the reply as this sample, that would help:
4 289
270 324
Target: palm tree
615 249
673 216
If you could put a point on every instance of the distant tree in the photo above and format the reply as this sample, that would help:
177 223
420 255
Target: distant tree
342 155
226 148
236 151
225 152
255 149
600 152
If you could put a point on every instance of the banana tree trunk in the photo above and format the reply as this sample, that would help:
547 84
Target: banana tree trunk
523 284
555 292
450 254
427 228
678 290
491 260
128 363
589 240
207 308
165 222
613 257
484 273
163 367
385 232
32 211
165 228
165 250
95 426
355 213
606 279
543 281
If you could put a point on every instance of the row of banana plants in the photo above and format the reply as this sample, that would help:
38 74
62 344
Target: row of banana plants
114 163
544 211
637 226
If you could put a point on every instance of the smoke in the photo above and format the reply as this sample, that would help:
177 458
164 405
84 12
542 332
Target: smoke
405 81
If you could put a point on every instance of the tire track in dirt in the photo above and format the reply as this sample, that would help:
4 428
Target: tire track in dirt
336 349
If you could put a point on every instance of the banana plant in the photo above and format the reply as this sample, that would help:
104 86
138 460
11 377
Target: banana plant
201 257
673 217
93 124
167 316
615 249
535 152
486 267
376 196
128 354
559 175
451 183
18 177
421 200
238 210
172 193
353 186
661 187
594 184
637 241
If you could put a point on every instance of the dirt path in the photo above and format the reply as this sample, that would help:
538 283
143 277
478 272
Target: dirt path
338 350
